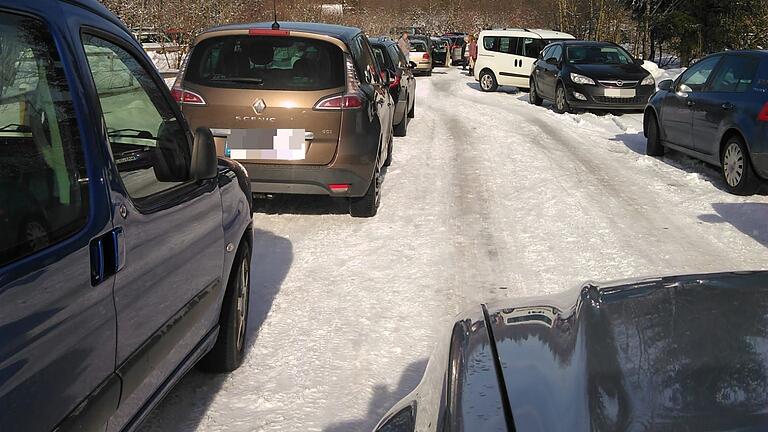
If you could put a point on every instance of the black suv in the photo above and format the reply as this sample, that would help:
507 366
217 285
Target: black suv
403 86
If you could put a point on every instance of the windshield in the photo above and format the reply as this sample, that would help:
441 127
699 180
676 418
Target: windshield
267 63
596 54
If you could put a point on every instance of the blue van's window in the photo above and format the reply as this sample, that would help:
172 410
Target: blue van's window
150 147
43 181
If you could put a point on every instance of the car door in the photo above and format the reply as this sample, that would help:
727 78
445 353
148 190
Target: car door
677 109
57 320
381 101
547 73
167 293
716 106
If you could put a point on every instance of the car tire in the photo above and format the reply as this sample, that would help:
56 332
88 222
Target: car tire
388 160
653 146
33 236
488 82
561 101
401 129
533 94
367 205
412 111
229 349
429 73
736 168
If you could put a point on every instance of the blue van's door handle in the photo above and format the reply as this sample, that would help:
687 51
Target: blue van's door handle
107 255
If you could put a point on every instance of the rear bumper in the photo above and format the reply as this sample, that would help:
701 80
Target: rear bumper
306 180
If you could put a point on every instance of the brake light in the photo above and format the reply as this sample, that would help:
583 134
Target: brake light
763 116
268 32
396 82
338 187
425 56
186 97
340 102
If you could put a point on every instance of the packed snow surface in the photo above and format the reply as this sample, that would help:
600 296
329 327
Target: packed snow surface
487 198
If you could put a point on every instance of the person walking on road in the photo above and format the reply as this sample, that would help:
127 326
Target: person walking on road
472 54
404 44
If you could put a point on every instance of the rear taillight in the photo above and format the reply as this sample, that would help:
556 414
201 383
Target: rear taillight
340 102
350 99
425 56
763 116
396 82
186 97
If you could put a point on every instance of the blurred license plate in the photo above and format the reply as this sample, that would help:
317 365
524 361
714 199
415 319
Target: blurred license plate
622 93
273 144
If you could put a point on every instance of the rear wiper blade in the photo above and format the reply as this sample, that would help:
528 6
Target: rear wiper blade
242 80
141 134
15 127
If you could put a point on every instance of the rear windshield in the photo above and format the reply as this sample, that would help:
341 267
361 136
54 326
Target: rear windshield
596 54
419 46
268 63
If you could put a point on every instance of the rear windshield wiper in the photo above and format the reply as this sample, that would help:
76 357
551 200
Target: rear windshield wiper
138 133
241 80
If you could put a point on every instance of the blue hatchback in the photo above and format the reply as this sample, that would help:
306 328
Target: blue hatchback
124 243
716 111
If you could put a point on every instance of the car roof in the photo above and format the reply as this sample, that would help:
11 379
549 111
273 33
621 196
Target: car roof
99 9
339 32
381 40
523 32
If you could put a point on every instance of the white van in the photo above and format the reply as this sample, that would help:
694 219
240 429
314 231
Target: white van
505 56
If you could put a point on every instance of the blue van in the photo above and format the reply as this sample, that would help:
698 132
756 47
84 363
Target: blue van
124 243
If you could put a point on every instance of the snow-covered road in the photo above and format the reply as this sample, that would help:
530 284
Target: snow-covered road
488 197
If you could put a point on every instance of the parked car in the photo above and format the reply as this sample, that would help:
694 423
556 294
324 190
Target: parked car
634 354
153 40
590 75
421 55
505 57
716 111
403 86
304 108
136 272
457 47
439 51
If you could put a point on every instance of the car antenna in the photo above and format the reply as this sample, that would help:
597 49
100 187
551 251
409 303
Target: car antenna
275 25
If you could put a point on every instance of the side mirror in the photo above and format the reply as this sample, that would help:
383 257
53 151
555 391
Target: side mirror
665 85
204 164
639 62
553 61
412 64
683 90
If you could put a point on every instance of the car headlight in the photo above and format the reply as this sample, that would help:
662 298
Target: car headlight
581 79
647 81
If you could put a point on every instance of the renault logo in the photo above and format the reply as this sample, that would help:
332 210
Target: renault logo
259 106
620 83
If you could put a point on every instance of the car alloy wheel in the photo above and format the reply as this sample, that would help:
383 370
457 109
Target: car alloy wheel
242 302
733 164
560 102
487 82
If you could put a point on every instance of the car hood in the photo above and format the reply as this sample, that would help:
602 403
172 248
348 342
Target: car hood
673 353
627 72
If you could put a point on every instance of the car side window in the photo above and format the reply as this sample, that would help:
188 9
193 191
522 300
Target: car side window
547 53
697 75
556 53
43 179
491 43
398 58
150 147
363 56
735 75
506 45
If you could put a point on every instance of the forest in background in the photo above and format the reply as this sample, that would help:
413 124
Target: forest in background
664 31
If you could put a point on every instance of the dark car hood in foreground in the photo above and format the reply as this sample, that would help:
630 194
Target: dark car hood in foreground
678 353
627 72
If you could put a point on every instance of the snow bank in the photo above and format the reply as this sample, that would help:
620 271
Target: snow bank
660 74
